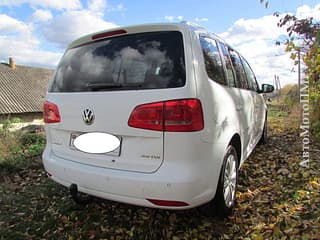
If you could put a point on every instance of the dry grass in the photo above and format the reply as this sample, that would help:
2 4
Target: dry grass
8 142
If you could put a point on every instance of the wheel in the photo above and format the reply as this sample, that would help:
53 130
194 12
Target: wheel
264 137
225 198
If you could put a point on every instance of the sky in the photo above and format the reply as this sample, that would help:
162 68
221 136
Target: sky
37 32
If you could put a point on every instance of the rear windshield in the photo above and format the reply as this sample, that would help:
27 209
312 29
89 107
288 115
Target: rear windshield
139 61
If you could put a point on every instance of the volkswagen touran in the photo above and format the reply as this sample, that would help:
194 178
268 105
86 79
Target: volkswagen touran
157 115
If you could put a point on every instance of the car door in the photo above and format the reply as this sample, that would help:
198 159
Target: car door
245 103
258 114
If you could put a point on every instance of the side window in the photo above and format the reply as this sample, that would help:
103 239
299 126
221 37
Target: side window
250 76
229 69
212 60
241 81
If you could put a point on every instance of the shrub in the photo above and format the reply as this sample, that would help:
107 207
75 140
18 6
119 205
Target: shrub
33 144
315 129
19 151
32 138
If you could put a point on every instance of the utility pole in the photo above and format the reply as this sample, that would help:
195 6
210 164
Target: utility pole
276 83
299 72
299 79
278 80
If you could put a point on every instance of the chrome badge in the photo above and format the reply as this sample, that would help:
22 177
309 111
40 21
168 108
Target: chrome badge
88 116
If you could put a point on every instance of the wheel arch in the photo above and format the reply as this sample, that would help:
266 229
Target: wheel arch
236 142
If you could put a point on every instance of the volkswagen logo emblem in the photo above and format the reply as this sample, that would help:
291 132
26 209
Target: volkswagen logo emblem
88 116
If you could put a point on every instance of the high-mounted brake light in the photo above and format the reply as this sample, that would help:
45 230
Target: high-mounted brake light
50 112
108 34
183 115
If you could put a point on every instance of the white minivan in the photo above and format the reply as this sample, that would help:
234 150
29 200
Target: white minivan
157 115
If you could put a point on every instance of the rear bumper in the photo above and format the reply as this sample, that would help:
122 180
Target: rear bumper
194 185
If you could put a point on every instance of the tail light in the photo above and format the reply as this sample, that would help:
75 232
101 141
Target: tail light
183 115
51 113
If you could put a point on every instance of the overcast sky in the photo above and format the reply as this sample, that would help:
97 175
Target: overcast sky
36 32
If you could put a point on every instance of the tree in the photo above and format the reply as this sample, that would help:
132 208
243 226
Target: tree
304 39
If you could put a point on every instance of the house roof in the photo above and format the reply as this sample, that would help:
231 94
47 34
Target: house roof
23 89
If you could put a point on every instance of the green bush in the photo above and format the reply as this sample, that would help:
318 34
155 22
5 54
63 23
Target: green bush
5 126
14 162
315 129
19 151
16 120
32 138
33 144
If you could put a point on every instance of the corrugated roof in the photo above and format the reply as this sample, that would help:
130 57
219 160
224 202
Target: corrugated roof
22 90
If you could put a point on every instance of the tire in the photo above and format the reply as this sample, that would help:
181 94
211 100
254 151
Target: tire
264 137
225 198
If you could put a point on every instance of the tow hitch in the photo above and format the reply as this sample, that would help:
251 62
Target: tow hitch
82 200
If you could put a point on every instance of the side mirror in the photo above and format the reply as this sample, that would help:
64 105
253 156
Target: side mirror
267 88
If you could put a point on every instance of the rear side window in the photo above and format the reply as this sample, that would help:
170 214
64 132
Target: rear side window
229 68
138 61
240 73
250 76
212 60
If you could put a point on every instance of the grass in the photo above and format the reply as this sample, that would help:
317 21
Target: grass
276 113
277 198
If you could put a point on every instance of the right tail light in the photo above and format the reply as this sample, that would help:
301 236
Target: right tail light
183 115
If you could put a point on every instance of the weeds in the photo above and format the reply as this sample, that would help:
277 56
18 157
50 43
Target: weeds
315 129
18 150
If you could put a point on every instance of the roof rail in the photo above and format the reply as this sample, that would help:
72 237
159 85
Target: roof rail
193 25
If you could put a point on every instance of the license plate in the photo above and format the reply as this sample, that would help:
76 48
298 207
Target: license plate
115 152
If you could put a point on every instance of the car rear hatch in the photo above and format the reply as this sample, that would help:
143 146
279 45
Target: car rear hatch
99 83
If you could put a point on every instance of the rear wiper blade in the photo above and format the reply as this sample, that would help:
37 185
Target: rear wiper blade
101 86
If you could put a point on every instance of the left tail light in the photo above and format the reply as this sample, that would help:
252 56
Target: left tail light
51 113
